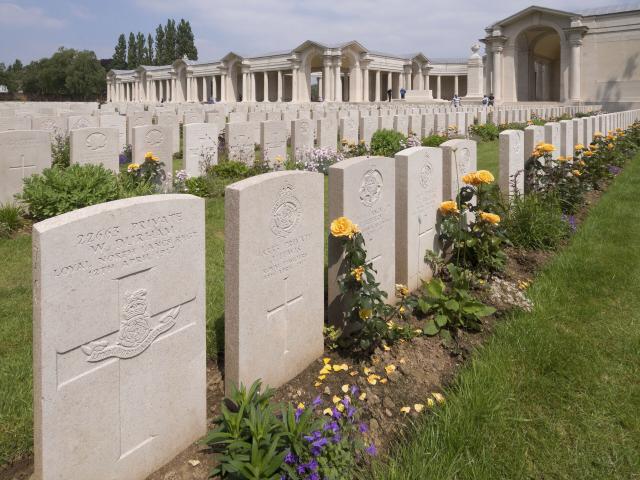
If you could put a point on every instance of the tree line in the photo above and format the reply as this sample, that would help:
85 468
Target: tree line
169 43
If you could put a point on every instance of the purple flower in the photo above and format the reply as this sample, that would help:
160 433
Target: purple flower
350 411
317 401
571 220
290 458
298 414
321 442
613 170
336 438
312 466
372 450
314 476
313 437
333 426
355 390
300 469
336 413
363 428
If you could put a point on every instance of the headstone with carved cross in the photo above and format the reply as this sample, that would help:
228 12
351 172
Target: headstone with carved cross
363 190
22 153
200 148
418 196
274 277
119 337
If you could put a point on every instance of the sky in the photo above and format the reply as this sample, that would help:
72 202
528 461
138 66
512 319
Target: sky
32 29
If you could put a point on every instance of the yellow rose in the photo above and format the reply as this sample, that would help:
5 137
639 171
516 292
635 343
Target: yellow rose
357 273
597 135
133 167
548 148
403 290
491 218
470 178
343 227
610 146
610 137
561 159
588 153
148 155
365 313
485 176
576 173
579 146
448 207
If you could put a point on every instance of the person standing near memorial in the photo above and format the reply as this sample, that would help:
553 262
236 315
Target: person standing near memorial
403 92
389 92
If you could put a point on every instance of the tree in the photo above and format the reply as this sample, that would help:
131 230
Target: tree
85 76
185 44
149 60
161 52
132 52
170 41
141 50
120 54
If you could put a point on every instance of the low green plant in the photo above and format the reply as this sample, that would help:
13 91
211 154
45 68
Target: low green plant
60 151
434 140
10 218
59 190
387 143
197 186
229 169
150 171
450 307
535 222
486 132
351 149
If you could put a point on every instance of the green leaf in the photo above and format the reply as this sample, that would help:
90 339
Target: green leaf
435 288
441 320
452 305
430 328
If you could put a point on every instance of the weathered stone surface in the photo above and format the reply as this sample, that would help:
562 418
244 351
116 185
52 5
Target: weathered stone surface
22 153
119 122
119 337
512 158
241 145
95 146
200 147
327 129
273 141
363 190
274 276
301 136
156 139
459 157
418 196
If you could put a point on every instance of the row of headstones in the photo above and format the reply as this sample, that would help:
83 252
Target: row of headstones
516 146
119 321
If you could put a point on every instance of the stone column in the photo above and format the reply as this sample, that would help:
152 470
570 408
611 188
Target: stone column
266 87
575 66
245 79
327 94
294 84
377 98
389 84
279 85
439 87
214 89
253 86
223 88
420 83
497 70
455 85
337 79
174 90
205 89
188 99
365 84
320 87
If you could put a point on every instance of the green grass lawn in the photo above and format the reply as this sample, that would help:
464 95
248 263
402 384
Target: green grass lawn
15 320
554 394
488 156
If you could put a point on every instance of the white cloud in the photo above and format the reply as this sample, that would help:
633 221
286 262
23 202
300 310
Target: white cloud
12 15
260 26
80 11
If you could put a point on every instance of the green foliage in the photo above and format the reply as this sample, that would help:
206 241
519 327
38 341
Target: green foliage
185 44
150 171
132 52
170 41
256 440
68 74
434 140
229 169
450 307
535 222
486 132
512 126
161 54
352 149
149 59
141 49
387 143
60 151
119 59
10 218
60 190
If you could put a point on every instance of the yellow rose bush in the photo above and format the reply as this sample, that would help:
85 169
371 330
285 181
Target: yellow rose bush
365 310
150 172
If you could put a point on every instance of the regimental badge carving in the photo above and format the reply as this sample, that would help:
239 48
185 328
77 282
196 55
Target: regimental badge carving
48 125
425 175
285 212
136 334
464 160
154 137
96 141
81 123
371 187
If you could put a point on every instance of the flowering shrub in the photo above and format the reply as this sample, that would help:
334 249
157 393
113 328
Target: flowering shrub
60 151
486 133
254 441
353 149
468 231
367 316
150 171
179 181
413 140
434 140
387 143
319 159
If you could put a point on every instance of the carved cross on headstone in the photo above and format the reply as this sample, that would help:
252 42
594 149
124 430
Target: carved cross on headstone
139 328
22 167
279 318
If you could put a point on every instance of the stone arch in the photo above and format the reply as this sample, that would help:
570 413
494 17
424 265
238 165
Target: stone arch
539 63
311 61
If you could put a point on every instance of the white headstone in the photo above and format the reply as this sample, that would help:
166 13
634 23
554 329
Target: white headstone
327 129
156 139
273 141
512 158
119 122
200 147
301 136
274 276
95 146
459 157
241 146
349 129
119 337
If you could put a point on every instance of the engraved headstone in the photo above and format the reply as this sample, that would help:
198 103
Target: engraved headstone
137 119
552 136
156 139
349 129
566 138
119 122
81 121
119 337
363 190
22 153
241 145
327 129
401 124
95 146
200 147
301 136
533 136
459 157
368 126
273 141
418 196
511 158
274 276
